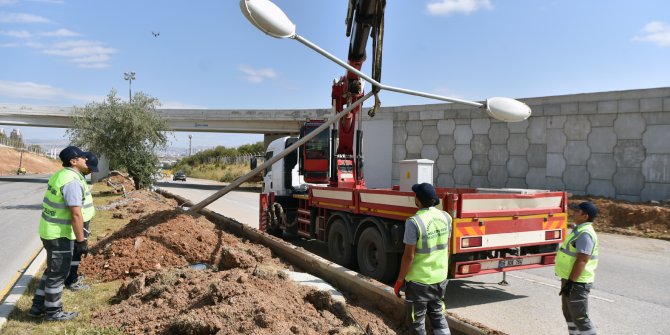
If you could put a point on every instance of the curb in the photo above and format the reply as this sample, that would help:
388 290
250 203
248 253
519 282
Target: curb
379 295
30 268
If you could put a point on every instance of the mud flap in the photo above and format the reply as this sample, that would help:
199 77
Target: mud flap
263 212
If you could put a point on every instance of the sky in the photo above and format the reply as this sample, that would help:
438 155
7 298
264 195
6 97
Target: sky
204 54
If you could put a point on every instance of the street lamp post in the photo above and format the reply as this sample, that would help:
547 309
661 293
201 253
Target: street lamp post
271 20
189 145
129 76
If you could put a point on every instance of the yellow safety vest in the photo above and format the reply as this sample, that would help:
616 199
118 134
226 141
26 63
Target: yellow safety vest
431 262
56 220
567 255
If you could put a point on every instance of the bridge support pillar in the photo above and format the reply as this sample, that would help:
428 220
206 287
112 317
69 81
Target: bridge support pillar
103 169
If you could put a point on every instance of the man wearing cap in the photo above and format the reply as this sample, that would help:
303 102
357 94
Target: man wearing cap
425 262
73 281
576 262
67 205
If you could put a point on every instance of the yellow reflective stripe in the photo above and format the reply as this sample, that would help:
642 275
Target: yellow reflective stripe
56 221
54 204
413 319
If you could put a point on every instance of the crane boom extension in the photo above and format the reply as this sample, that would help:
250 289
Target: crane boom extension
364 19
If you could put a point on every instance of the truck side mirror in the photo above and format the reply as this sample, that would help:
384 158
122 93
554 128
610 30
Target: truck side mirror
253 163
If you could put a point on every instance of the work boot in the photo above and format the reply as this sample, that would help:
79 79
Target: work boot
35 312
78 286
61 316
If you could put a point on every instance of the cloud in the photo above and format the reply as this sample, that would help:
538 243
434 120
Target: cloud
86 54
16 33
257 76
61 33
656 32
22 18
7 2
34 91
446 7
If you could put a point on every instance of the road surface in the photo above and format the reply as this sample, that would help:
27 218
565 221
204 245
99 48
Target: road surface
20 209
239 205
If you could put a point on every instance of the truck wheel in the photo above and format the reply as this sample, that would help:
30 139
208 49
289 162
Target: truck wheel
373 259
339 244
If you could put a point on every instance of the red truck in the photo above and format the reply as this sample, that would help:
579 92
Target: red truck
319 191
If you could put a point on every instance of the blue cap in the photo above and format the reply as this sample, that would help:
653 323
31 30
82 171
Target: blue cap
91 162
426 192
587 207
69 153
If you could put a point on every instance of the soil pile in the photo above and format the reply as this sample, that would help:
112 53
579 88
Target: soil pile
636 219
34 164
119 182
258 300
243 290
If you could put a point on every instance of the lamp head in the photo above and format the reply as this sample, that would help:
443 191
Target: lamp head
267 17
507 109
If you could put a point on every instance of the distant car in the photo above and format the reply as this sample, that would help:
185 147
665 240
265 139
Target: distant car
179 176
21 170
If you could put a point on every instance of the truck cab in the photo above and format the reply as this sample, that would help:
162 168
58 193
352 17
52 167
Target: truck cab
282 178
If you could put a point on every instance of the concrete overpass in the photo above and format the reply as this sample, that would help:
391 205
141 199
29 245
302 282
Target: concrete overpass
268 122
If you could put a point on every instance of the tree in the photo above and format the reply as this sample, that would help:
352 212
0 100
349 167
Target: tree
126 133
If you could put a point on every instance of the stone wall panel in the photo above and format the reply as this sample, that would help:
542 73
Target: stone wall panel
517 167
629 153
629 126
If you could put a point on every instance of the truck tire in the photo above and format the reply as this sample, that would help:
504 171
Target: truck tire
340 248
373 259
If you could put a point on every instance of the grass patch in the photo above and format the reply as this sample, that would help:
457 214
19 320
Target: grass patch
223 173
85 302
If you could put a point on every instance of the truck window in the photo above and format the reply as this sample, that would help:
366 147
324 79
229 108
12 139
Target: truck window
318 146
268 155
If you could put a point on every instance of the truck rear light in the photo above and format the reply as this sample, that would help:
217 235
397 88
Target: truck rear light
469 268
469 242
549 259
552 234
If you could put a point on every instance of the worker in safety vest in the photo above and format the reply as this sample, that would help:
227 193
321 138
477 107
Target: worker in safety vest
67 205
74 281
576 263
425 262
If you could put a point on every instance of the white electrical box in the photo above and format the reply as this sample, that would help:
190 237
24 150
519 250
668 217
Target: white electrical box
415 171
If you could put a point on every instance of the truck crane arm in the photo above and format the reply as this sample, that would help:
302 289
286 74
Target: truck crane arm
365 18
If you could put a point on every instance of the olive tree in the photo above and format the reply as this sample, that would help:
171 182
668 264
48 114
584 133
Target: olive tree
126 133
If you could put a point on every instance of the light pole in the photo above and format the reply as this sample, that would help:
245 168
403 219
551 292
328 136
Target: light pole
271 20
189 145
129 76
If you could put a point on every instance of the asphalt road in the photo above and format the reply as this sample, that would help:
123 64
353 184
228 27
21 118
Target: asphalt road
629 297
239 205
20 209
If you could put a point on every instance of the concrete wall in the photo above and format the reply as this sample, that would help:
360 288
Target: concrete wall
614 144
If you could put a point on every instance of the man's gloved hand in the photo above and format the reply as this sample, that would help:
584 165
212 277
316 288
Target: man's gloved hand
397 286
81 247
567 287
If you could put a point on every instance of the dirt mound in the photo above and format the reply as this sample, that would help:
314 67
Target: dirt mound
161 236
258 300
636 219
119 182
243 288
34 164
